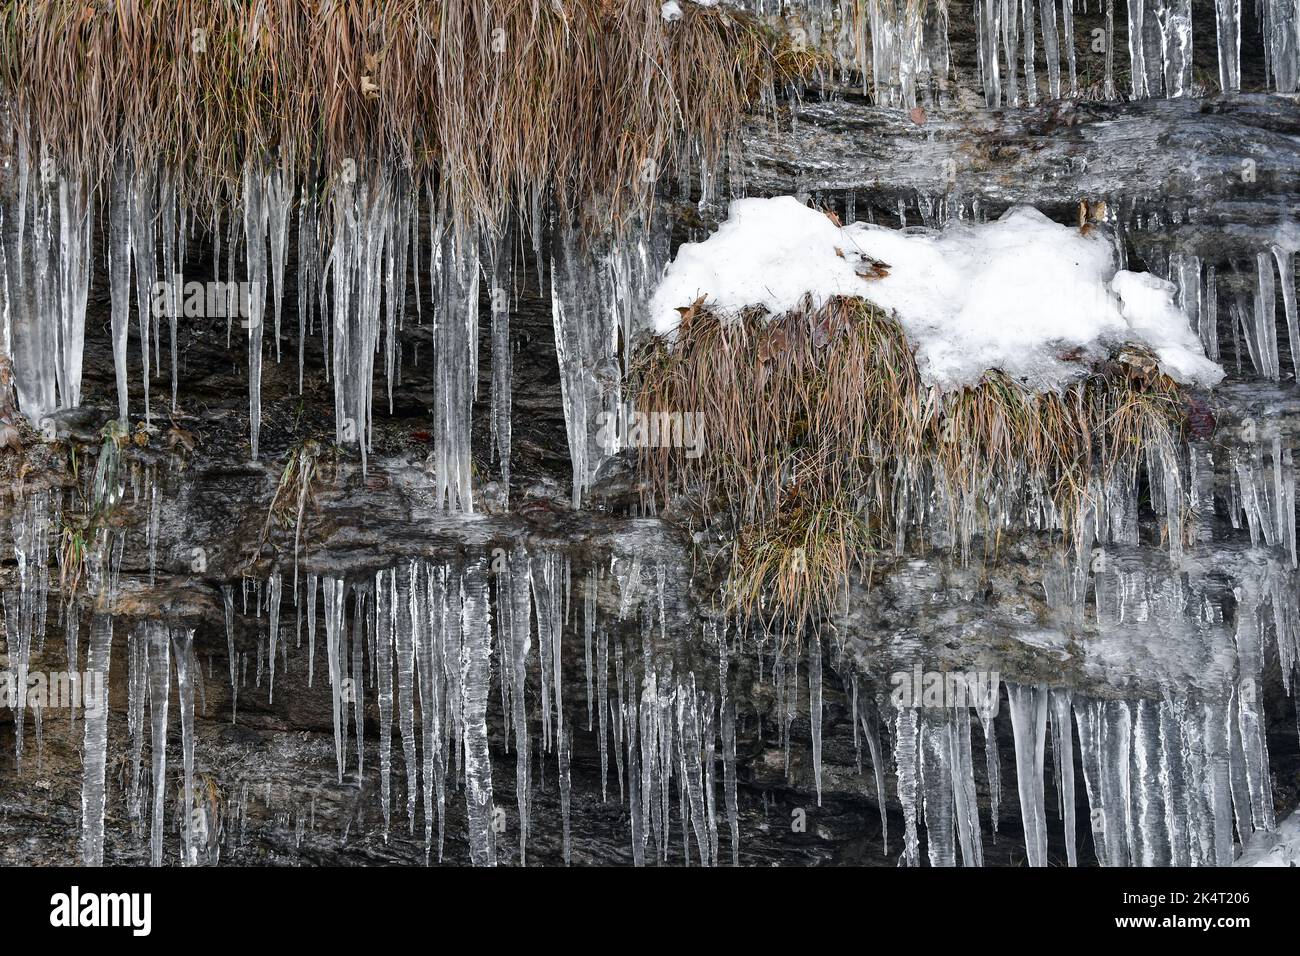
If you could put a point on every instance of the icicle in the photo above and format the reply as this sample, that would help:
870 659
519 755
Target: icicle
992 763
872 731
159 649
588 629
45 333
1031 78
1150 838
598 286
1011 48
1178 48
501 268
404 647
95 748
228 607
385 598
1051 47
629 714
937 790
727 726
428 614
815 709
1061 701
1067 25
278 196
1281 28
988 24
274 588
965 801
1247 715
906 759
455 370
308 253
1109 89
1029 722
566 792
692 776
1104 741
1265 330
255 225
521 641
546 602
311 627
184 639
334 631
1286 275
356 698
137 690
602 706
119 276
146 266
361 218
475 669
1228 30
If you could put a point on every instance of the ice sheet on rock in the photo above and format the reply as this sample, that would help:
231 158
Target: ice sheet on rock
1015 294
1280 847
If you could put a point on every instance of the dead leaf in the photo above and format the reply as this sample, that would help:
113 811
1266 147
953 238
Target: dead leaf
869 268
692 310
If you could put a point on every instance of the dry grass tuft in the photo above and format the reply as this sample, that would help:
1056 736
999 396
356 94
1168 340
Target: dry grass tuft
824 445
498 105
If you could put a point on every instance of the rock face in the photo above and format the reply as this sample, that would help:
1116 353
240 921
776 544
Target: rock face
358 659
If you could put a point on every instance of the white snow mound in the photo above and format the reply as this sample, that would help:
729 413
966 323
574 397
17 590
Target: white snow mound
1036 299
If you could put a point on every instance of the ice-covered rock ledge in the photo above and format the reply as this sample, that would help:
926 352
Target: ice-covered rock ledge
1280 847
1038 300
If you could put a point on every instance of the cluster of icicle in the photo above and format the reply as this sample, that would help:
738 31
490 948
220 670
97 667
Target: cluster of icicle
1252 305
1167 779
429 640
903 46
356 253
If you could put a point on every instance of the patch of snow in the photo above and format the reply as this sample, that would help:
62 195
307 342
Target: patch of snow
671 11
1036 299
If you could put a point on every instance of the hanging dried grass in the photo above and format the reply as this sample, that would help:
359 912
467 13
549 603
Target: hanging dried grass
818 433
498 104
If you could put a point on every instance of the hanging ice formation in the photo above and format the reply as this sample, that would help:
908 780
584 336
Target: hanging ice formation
909 50
1175 771
47 254
98 658
599 285
904 47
